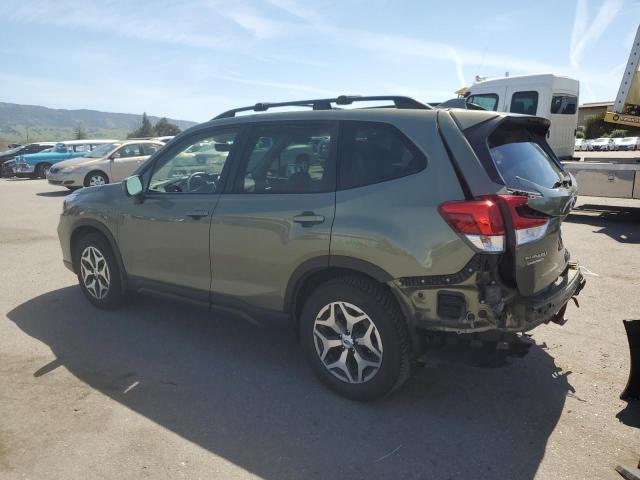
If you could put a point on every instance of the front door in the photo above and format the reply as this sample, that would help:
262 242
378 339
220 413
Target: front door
164 239
277 215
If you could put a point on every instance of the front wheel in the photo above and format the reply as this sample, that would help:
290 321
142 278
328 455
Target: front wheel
95 179
98 272
356 338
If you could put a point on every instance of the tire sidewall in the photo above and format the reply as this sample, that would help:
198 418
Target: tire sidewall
114 295
387 376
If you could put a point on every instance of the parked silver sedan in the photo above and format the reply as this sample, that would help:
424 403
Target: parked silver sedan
108 163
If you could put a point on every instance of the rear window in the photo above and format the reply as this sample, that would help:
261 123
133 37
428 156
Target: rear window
517 152
564 104
488 101
524 102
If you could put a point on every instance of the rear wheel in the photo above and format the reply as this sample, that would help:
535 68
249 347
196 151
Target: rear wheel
98 271
41 170
355 338
94 179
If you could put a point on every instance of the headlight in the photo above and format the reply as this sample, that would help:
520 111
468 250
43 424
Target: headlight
67 169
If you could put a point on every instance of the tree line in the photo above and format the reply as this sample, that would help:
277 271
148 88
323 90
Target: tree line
162 128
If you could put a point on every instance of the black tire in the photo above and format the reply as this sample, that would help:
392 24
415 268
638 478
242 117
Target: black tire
95 173
378 304
114 295
41 170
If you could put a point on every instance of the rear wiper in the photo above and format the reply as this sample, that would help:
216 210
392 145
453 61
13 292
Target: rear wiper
564 183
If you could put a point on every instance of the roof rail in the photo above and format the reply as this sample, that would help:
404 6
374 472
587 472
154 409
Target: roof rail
325 104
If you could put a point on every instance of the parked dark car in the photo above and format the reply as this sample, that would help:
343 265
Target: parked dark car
10 154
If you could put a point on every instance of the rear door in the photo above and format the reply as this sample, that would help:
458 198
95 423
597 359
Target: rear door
277 214
564 121
539 195
125 160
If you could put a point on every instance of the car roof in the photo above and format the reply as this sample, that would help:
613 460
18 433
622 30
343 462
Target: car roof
88 140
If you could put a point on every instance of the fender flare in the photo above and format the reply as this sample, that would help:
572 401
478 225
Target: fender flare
323 262
102 228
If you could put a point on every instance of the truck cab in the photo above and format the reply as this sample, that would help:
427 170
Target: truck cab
549 96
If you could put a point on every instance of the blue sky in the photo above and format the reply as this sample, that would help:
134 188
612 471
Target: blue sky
191 60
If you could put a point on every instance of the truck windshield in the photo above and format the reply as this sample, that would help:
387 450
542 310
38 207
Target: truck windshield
517 152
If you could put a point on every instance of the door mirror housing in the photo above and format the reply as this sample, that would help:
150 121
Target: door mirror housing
133 186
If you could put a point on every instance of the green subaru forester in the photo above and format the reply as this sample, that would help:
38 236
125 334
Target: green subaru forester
367 228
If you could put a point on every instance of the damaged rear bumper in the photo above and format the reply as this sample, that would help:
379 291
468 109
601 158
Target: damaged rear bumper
549 305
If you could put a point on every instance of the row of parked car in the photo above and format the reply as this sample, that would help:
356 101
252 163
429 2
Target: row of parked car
79 163
607 144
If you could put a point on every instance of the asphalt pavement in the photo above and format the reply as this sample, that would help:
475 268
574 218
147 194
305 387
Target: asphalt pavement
164 390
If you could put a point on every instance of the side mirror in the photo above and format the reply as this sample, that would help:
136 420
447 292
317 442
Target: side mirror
133 186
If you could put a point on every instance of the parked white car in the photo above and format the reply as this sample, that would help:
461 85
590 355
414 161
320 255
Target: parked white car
578 145
587 145
603 144
627 143
111 162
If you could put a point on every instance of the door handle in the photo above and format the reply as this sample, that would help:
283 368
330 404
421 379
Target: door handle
197 213
306 219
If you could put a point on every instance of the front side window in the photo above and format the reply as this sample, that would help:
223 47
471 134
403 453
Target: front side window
488 101
375 152
80 148
288 158
564 104
195 167
61 148
524 102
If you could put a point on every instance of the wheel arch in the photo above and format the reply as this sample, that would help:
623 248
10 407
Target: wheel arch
317 270
85 181
87 226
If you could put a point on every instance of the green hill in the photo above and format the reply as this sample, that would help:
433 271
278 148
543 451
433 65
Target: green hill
51 124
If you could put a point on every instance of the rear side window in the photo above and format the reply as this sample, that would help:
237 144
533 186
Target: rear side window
517 152
564 104
524 102
288 158
488 101
375 152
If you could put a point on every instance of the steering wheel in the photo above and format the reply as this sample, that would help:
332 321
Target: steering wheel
198 180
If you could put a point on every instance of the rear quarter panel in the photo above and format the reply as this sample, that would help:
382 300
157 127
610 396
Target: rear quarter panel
396 224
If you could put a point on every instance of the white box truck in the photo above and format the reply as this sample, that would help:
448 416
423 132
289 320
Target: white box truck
549 96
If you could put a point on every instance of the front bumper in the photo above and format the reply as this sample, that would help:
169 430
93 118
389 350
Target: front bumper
69 179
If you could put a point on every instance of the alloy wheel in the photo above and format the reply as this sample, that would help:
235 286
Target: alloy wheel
95 272
96 180
347 342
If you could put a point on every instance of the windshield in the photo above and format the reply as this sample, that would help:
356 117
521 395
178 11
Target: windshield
102 150
517 152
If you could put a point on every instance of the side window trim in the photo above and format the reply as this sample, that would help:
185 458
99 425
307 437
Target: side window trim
176 147
346 127
237 166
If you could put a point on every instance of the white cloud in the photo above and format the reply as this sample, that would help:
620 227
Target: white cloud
585 34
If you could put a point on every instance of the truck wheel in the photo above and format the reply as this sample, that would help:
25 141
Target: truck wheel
356 338
94 179
41 170
98 272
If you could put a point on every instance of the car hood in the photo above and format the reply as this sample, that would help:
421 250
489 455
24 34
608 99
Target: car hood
600 142
78 162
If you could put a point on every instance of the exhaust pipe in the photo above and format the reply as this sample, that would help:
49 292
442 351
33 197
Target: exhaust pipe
632 390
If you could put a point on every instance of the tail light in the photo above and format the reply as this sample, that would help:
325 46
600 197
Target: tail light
481 222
